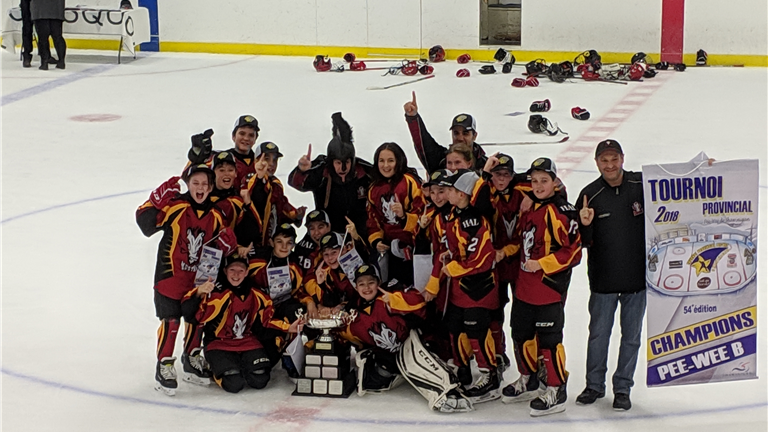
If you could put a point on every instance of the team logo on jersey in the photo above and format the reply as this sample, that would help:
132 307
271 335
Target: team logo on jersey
510 225
386 339
386 208
194 244
707 257
528 242
241 321
360 193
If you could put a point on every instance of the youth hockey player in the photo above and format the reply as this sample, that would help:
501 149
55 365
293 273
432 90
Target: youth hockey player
188 222
229 308
549 247
307 250
473 291
330 285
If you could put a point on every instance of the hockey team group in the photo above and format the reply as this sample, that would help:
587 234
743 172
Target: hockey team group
485 231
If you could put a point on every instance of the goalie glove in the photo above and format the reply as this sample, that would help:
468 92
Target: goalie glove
201 147
164 193
227 241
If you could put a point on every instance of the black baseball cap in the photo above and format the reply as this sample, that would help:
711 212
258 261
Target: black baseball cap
235 258
437 177
505 163
199 168
367 270
544 164
246 121
222 158
331 241
266 147
317 216
607 145
285 229
464 120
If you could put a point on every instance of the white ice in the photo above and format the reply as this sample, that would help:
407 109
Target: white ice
78 325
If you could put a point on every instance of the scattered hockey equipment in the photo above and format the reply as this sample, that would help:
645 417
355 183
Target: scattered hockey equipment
165 375
636 71
507 68
322 63
410 69
551 402
400 84
515 143
504 56
518 82
541 106
641 57
680 67
487 70
556 73
462 73
649 73
539 124
598 78
357 66
436 54
566 68
536 67
590 57
431 377
349 57
532 81
464 58
662 65
339 66
426 70
525 388
701 57
579 113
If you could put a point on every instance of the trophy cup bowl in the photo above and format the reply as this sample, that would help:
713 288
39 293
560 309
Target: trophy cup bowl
326 324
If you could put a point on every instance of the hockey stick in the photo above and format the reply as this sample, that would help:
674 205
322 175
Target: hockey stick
562 140
400 84
604 80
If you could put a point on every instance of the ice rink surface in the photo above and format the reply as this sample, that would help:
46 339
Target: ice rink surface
82 148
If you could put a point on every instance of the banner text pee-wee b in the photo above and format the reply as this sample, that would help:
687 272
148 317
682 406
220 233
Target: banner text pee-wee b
701 271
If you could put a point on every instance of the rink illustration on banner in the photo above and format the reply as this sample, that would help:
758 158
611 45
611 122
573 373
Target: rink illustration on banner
701 271
208 267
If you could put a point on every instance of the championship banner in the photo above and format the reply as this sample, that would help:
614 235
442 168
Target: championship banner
701 264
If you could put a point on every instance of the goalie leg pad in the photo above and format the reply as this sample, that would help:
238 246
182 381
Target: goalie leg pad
376 372
430 377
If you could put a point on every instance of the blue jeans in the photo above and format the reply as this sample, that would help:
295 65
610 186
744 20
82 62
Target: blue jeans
602 308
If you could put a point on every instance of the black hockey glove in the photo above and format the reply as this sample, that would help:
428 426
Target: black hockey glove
202 146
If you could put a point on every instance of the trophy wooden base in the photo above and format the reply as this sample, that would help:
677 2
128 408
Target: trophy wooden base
326 372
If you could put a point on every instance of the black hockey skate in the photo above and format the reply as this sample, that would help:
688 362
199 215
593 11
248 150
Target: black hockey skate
196 370
485 388
165 375
524 389
551 402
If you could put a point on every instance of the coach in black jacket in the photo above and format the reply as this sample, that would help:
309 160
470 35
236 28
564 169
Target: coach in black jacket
612 228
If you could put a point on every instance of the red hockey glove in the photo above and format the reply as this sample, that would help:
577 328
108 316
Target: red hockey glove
410 69
462 73
426 70
357 66
541 106
227 241
518 82
464 58
579 113
532 81
164 193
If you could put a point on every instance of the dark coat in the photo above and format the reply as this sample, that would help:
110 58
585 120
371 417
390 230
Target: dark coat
47 9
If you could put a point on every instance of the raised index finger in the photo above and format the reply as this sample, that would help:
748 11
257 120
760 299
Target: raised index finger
309 151
413 94
586 203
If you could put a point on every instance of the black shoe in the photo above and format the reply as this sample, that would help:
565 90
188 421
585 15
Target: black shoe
621 402
52 60
26 62
589 396
551 402
43 66
465 375
61 65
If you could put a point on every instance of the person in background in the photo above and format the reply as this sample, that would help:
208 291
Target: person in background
48 16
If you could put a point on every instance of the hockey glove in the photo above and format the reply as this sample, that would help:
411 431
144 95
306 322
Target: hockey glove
579 113
426 70
541 106
164 193
518 82
701 57
532 81
462 73
507 68
201 147
349 57
227 241
487 70
464 58
662 65
357 66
